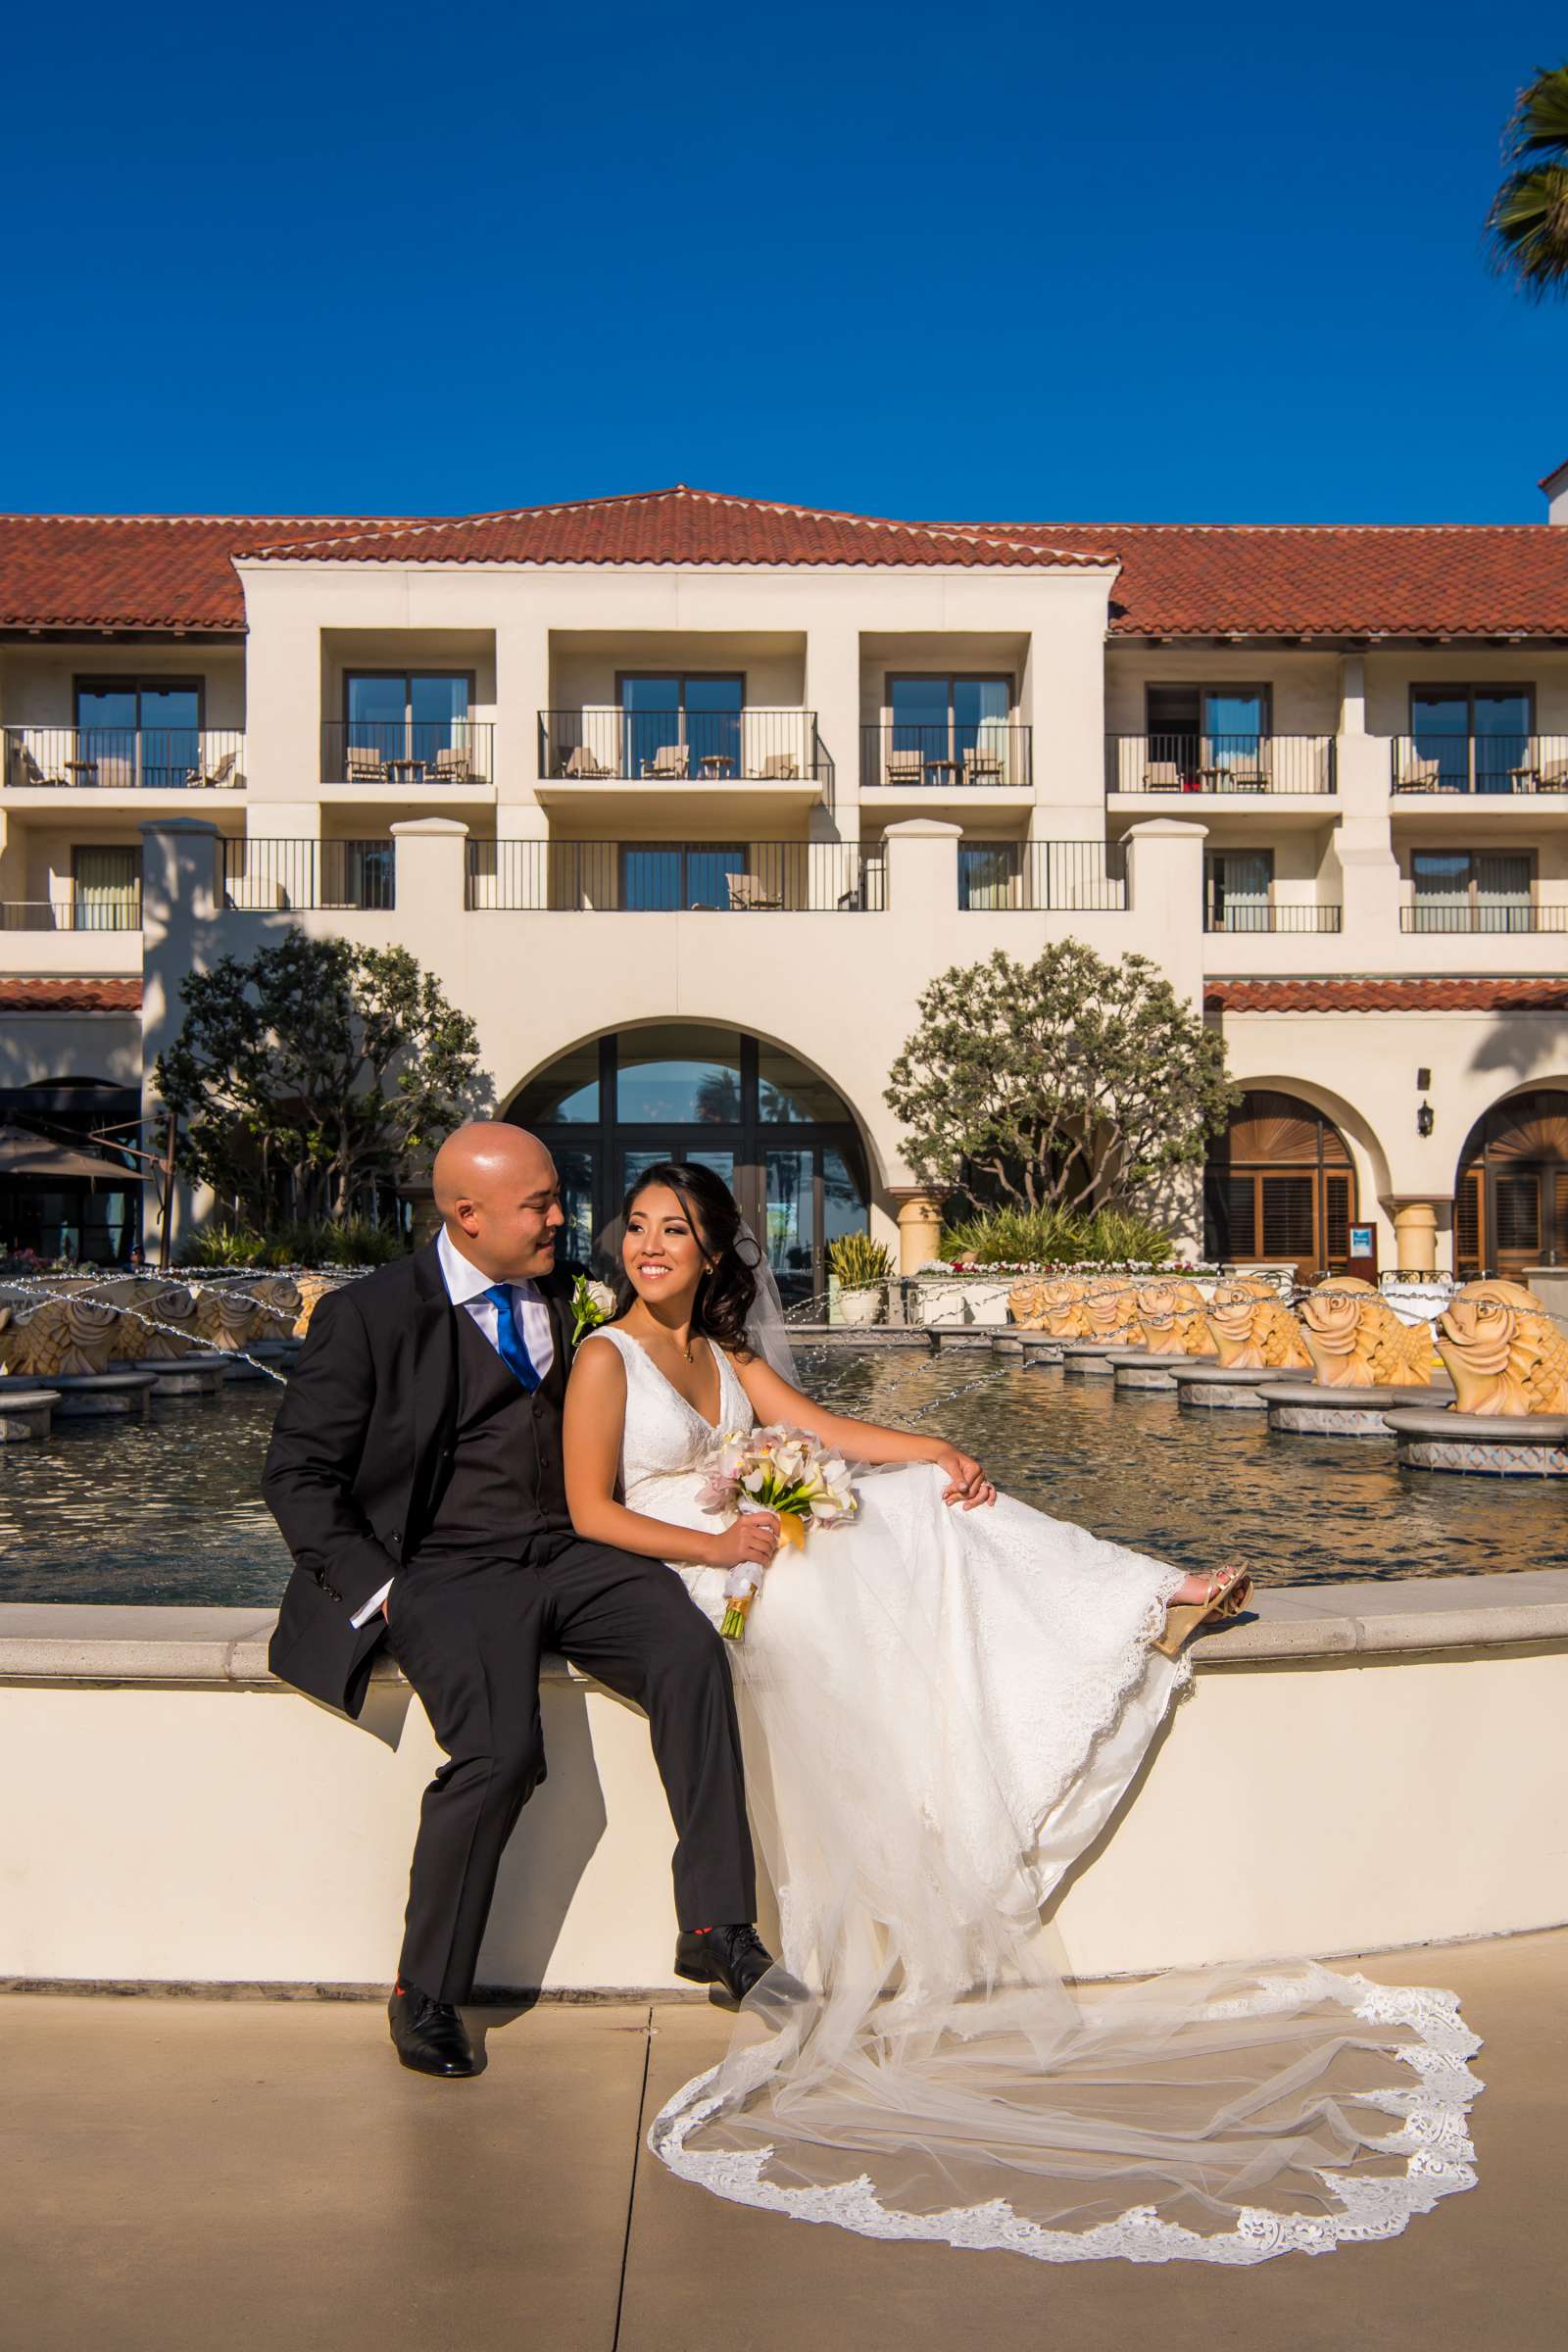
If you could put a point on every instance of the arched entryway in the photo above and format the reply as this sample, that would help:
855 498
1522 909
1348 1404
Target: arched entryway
779 1133
1279 1185
1511 1195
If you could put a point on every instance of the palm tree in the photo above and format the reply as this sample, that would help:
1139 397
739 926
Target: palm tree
1528 223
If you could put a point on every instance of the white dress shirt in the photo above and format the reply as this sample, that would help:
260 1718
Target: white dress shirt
466 1286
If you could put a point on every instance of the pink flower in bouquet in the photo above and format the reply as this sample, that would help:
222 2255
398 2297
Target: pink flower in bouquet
781 1470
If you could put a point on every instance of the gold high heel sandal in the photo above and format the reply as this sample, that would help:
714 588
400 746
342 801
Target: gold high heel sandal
1230 1590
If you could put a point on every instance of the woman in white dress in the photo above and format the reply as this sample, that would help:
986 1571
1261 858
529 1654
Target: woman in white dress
942 1703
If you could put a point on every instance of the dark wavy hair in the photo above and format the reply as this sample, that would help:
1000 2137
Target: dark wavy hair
728 1292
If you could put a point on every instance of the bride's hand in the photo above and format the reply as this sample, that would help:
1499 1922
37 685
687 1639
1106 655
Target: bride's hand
968 1483
752 1540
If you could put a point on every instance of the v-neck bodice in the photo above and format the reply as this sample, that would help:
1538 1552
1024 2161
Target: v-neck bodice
665 1436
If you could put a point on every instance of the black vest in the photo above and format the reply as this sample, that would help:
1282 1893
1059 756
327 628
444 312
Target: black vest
505 1482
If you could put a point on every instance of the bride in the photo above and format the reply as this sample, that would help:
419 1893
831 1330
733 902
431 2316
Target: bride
942 1703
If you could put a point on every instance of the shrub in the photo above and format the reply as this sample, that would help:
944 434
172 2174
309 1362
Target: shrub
1052 1236
858 1262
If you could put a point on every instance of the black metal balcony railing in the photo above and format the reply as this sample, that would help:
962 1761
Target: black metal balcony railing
412 751
1511 917
112 910
630 877
676 746
1248 917
266 876
1220 764
123 758
1480 763
981 752
1042 876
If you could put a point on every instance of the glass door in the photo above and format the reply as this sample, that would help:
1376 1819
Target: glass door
662 878
1238 884
949 729
134 731
1501 738
106 889
1234 730
675 726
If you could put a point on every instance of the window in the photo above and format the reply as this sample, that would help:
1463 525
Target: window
106 888
661 877
1478 735
1279 1186
950 721
1207 732
679 724
988 873
140 730
1472 890
1237 889
408 714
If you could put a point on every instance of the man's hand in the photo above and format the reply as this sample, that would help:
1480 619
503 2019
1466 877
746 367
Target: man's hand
968 1483
386 1608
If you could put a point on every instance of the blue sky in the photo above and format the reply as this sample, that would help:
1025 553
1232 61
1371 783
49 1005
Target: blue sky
1212 264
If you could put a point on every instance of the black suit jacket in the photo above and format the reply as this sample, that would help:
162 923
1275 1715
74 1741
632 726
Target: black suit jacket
359 1452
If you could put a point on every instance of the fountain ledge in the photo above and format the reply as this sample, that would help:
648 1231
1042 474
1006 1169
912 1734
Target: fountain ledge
84 1642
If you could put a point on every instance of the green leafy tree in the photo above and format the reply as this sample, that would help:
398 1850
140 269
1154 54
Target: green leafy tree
1529 217
315 1069
1058 1084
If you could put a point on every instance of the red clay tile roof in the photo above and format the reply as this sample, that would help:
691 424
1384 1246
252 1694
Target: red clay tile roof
684 525
69 995
1248 581
1176 579
133 571
1385 996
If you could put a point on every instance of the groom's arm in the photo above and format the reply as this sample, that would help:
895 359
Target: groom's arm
313 1458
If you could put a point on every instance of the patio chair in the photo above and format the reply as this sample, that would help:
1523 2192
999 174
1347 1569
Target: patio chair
453 765
780 767
28 770
583 764
363 764
904 767
982 767
1242 775
1164 775
750 895
1552 776
670 762
1422 775
221 778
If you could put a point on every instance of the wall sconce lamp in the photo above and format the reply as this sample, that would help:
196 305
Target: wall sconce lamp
1426 1118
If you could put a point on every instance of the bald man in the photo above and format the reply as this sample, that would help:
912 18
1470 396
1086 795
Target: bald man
416 1472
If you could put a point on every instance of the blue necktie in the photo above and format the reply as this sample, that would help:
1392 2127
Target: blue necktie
509 1338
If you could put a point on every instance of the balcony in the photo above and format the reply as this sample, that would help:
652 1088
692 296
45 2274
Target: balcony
1039 877
609 745
985 755
1468 921
1501 765
628 877
122 760
118 911
1295 921
1252 764
441 753
267 876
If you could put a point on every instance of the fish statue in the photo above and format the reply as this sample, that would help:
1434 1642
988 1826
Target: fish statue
1503 1353
61 1337
1173 1320
1356 1340
1252 1328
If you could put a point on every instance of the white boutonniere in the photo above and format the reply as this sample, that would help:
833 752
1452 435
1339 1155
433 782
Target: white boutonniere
592 1303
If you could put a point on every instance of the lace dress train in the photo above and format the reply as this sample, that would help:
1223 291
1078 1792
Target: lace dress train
941 1710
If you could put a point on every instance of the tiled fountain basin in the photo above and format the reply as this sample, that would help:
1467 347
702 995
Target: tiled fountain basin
1306 1408
1224 1388
1485 1444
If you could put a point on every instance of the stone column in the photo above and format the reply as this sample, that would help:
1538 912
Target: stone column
922 877
178 918
1415 1237
432 889
833 692
919 1227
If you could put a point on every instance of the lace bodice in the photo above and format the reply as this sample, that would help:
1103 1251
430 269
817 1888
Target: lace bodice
665 1438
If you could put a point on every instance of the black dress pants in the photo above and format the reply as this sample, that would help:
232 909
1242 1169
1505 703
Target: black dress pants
468 1632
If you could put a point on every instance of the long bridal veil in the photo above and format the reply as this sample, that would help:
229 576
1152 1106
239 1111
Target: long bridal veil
945 2080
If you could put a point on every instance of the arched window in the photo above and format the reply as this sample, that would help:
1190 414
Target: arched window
777 1134
1512 1197
1280 1186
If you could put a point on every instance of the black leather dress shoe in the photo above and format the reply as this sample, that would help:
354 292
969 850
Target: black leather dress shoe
429 2035
732 1962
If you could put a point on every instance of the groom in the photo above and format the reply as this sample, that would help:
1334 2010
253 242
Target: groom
416 1472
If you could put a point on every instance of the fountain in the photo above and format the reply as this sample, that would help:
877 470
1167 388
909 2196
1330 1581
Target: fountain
63 1343
1256 1339
1174 1330
1366 1360
1509 1360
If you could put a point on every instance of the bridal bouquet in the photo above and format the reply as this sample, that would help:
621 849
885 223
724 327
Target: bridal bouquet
780 1470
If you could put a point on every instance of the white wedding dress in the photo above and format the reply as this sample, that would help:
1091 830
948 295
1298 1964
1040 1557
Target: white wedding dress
941 1710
